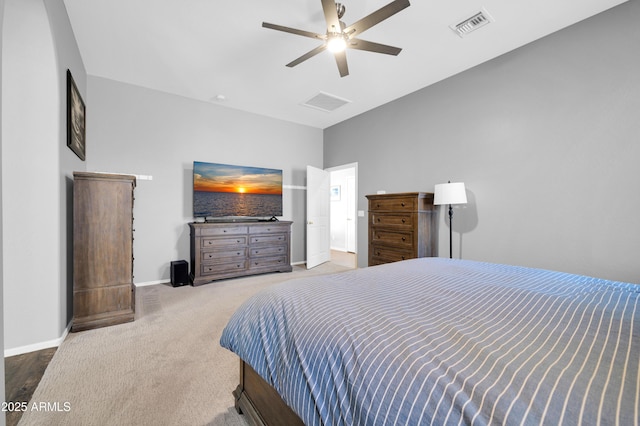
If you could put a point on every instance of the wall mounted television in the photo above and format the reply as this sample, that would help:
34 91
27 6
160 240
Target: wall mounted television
224 191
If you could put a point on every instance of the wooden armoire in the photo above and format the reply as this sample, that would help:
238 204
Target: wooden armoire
103 290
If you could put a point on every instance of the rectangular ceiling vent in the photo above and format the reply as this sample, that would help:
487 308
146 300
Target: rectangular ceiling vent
472 23
325 102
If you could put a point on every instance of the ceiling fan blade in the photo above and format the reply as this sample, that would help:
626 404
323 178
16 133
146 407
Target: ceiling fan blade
356 43
294 31
307 55
331 16
376 17
341 60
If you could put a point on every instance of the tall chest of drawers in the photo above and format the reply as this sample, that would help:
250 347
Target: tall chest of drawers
103 290
401 226
233 249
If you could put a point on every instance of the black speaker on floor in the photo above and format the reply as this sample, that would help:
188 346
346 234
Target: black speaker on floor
179 273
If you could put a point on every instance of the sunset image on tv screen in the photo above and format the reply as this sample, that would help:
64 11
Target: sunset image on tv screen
228 190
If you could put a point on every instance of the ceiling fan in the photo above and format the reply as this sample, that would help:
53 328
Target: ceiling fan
340 37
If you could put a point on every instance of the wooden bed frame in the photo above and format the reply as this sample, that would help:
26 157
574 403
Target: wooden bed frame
260 402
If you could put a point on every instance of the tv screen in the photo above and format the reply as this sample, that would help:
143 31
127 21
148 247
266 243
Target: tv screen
224 190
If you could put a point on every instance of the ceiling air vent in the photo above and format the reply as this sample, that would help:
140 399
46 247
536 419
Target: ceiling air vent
325 102
468 25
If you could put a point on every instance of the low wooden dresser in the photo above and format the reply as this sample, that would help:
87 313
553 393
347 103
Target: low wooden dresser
232 249
401 226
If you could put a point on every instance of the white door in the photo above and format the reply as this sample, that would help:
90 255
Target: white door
318 231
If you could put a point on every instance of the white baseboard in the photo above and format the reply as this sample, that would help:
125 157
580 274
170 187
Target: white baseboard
146 283
38 346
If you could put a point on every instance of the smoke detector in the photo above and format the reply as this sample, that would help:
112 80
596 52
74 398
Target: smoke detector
477 20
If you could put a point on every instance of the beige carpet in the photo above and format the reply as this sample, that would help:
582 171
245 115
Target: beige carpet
165 368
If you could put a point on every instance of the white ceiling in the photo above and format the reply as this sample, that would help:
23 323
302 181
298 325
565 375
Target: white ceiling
204 48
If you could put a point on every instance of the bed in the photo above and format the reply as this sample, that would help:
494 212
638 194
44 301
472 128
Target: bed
439 341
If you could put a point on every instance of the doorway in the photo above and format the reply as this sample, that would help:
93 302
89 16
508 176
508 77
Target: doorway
343 214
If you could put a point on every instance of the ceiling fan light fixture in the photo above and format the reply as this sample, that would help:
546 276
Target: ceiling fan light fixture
336 43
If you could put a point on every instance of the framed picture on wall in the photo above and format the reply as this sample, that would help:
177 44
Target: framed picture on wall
76 140
335 193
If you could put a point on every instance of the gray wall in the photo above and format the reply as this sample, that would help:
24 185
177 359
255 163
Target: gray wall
38 48
145 132
3 416
545 139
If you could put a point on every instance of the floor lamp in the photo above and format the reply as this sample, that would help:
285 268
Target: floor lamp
450 193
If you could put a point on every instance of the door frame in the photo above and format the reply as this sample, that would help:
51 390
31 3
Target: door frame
355 194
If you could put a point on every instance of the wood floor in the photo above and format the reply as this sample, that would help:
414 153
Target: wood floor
22 373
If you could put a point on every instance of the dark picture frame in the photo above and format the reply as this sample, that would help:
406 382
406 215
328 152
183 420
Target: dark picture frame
76 119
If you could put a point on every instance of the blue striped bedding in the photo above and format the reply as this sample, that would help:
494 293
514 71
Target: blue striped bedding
441 341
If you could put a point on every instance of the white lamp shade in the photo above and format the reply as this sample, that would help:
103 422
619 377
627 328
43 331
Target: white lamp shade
450 193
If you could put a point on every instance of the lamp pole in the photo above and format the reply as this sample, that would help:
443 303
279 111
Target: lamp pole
450 232
450 193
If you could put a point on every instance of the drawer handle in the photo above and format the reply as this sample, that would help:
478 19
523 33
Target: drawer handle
257 251
224 230
404 239
403 258
402 220
402 204
209 242
237 241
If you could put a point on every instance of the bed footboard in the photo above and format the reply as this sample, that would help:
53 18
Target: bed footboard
260 402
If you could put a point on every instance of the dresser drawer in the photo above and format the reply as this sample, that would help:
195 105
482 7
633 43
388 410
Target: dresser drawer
383 236
268 229
218 268
268 262
268 251
218 256
385 255
223 230
396 204
219 242
387 219
269 239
